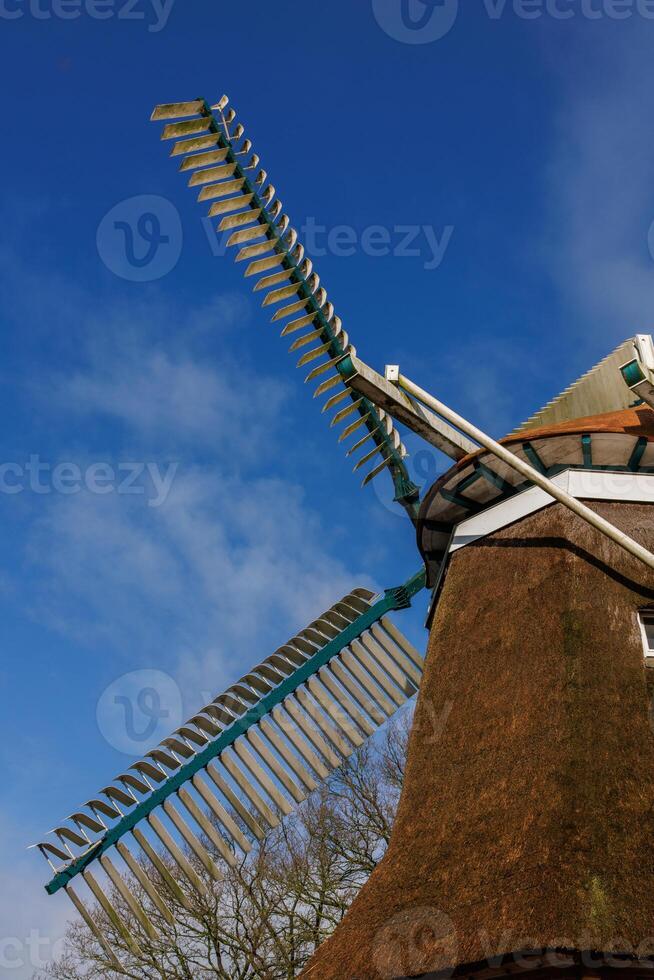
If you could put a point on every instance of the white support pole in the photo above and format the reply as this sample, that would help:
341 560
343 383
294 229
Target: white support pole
588 515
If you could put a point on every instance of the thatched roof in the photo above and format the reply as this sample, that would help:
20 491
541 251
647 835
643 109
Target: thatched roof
527 816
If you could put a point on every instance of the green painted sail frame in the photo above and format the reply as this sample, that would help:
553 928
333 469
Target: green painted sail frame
392 600
406 492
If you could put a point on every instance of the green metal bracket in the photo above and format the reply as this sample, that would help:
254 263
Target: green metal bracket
407 494
534 458
393 599
401 596
637 454
587 450
493 478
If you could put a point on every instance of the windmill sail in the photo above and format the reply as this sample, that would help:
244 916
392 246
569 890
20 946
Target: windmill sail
238 766
230 181
601 389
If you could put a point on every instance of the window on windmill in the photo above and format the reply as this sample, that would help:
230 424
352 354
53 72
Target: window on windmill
646 619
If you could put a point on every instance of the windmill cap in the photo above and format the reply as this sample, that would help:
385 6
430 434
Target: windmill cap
614 441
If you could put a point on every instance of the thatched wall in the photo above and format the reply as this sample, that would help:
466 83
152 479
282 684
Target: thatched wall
527 817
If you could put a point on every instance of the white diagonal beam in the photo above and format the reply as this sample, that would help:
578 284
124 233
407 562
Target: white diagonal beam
520 466
386 395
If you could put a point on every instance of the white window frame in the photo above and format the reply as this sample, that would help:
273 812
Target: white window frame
646 616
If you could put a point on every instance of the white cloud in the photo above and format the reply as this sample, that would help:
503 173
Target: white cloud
201 587
186 399
150 369
233 561
204 585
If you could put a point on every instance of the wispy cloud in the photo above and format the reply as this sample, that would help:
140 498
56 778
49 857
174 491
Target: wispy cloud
181 400
217 576
203 586
601 190
232 558
155 370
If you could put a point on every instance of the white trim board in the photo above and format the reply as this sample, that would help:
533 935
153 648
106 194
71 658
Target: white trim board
584 484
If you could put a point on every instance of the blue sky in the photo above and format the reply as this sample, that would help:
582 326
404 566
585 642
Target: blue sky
521 146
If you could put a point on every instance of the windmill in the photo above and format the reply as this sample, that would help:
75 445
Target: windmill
256 751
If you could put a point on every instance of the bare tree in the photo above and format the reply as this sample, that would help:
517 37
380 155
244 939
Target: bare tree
274 907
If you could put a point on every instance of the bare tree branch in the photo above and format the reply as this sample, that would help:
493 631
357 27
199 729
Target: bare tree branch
276 905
